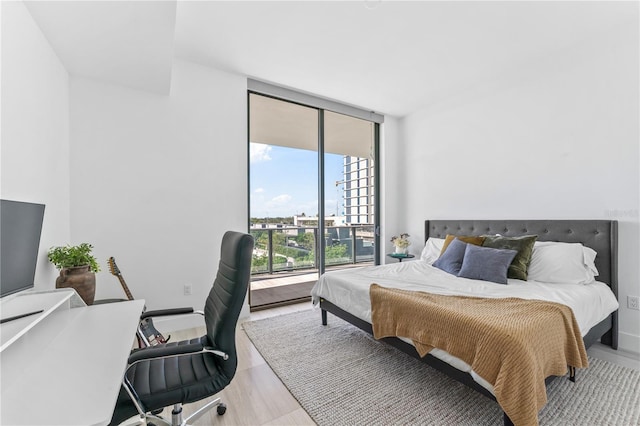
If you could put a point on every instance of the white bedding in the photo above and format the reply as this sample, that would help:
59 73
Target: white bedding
348 289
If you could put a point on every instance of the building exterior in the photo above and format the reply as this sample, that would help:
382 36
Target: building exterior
358 193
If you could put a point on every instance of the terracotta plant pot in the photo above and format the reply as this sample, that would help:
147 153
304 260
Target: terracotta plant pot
79 279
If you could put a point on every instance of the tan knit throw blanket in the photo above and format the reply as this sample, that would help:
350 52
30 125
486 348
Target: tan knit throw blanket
514 344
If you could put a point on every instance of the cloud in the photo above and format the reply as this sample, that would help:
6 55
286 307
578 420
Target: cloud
259 152
259 190
281 199
276 206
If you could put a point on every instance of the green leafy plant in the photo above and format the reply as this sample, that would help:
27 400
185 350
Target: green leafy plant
72 256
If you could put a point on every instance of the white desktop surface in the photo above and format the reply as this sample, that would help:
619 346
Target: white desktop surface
31 301
68 369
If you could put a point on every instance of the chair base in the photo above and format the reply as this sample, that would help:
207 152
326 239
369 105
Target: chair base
198 413
176 416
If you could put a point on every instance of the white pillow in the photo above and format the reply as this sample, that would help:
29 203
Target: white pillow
555 262
431 251
590 259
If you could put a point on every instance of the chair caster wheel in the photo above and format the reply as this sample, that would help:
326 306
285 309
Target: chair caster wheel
222 408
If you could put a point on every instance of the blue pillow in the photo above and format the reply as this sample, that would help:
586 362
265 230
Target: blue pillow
487 264
451 260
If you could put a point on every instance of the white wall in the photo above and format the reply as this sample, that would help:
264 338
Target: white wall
35 129
391 188
556 140
157 180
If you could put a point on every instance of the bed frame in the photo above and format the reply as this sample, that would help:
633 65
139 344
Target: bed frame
600 235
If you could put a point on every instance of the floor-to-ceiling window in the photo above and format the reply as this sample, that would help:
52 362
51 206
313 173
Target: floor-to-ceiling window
312 185
349 143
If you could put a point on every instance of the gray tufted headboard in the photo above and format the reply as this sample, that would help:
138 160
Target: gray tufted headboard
600 235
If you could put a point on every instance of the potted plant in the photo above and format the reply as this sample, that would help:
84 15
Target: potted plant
77 269
401 243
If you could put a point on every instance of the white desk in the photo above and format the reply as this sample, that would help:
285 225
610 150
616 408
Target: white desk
65 365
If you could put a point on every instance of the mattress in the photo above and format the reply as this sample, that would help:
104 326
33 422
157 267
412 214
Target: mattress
348 289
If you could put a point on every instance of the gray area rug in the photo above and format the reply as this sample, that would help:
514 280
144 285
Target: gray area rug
342 376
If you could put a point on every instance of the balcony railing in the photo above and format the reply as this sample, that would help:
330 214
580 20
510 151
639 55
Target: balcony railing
294 248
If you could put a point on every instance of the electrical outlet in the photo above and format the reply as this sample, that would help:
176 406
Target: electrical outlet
187 289
633 303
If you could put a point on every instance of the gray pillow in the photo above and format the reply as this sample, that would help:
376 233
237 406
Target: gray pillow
487 264
451 260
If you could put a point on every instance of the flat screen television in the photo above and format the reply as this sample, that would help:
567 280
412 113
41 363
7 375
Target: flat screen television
20 229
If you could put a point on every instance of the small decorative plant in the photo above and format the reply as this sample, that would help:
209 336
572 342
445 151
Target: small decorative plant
402 241
72 256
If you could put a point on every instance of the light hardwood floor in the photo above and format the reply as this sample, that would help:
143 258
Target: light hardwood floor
256 396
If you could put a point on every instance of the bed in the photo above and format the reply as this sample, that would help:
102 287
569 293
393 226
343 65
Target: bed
346 293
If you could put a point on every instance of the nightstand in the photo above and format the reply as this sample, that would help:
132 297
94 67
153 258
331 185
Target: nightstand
401 256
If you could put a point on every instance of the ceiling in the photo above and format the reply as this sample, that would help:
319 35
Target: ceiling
387 56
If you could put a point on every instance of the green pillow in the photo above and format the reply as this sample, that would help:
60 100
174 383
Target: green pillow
523 245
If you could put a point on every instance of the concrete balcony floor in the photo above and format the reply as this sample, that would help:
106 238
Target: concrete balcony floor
281 288
260 281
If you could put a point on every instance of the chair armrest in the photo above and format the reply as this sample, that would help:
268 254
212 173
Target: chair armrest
172 351
163 352
166 312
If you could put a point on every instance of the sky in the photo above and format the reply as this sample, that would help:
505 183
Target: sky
284 181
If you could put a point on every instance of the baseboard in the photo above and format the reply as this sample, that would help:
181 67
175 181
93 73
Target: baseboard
629 342
280 304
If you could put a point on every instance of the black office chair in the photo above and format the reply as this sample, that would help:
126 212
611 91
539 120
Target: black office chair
188 371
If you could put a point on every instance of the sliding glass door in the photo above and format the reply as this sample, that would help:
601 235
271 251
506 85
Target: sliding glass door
311 196
349 168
